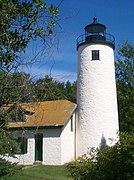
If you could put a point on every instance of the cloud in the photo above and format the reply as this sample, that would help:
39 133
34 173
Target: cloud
37 72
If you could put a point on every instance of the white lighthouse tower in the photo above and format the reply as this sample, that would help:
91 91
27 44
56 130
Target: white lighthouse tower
96 97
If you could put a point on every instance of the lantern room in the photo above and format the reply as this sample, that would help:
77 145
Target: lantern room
96 33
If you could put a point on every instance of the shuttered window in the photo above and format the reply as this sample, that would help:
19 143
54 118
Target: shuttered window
22 141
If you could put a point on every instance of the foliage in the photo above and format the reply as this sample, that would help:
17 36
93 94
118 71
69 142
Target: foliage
21 22
125 86
70 91
108 163
16 87
19 88
49 89
7 144
7 169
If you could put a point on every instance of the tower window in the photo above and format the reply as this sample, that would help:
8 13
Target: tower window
95 55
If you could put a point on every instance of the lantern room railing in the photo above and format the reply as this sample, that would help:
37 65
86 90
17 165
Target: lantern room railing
96 37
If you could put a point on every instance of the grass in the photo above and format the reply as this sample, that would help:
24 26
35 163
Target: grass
42 173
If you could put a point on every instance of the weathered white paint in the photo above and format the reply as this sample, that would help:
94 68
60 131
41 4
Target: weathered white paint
96 98
68 142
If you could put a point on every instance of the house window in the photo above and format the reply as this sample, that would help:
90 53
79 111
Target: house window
95 55
22 141
71 123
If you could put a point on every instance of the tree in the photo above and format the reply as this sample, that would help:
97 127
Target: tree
70 91
19 87
21 22
49 89
16 87
108 163
7 169
125 86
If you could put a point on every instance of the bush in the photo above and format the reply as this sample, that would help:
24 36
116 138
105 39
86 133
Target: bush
7 168
109 163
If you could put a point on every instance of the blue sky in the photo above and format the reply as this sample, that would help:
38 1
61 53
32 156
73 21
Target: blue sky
61 62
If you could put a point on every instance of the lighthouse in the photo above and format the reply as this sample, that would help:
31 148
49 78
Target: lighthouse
97 123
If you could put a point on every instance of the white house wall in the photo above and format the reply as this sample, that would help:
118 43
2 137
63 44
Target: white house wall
52 146
68 142
28 158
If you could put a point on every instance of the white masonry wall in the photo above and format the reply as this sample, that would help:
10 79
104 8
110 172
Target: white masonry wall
96 98
28 158
68 142
52 146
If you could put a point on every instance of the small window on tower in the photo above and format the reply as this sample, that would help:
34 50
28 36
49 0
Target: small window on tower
95 55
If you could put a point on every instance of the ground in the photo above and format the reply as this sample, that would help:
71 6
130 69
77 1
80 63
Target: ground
42 173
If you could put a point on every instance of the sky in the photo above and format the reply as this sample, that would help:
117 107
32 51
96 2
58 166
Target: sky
61 61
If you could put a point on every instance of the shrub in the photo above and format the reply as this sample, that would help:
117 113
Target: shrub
7 168
108 163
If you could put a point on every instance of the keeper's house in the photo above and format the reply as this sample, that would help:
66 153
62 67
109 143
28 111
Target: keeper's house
46 133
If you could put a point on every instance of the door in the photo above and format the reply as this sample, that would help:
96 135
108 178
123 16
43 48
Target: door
38 147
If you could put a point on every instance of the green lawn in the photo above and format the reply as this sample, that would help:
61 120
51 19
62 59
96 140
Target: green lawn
42 173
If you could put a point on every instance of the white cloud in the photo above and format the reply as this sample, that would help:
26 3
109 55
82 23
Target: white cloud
37 72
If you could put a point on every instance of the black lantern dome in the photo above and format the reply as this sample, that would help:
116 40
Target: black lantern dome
95 27
96 33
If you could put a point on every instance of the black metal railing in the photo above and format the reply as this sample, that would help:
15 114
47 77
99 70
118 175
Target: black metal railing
96 37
